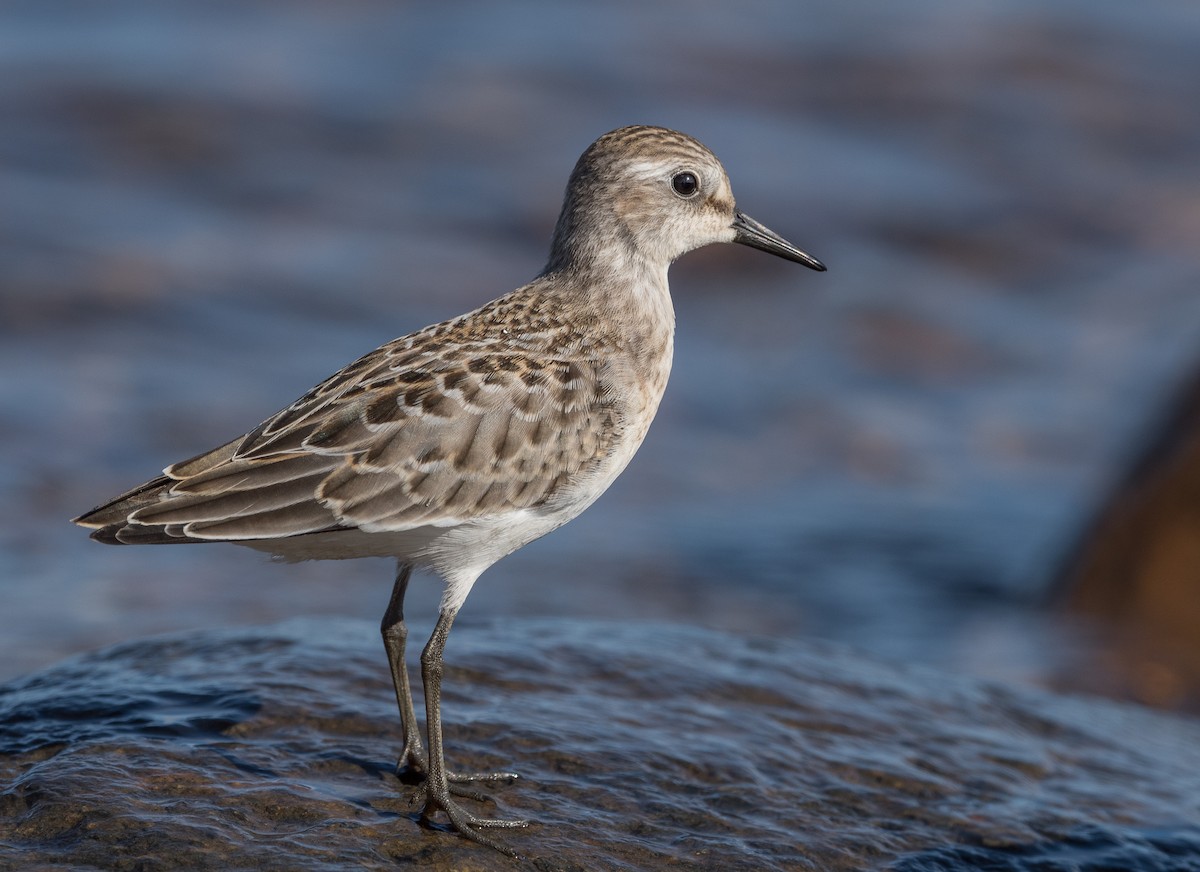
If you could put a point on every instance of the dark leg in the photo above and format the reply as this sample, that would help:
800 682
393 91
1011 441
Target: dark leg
412 758
437 788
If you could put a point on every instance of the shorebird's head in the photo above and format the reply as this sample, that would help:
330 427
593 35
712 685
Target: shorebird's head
657 193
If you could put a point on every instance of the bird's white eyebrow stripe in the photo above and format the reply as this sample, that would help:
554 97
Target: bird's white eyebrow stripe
646 168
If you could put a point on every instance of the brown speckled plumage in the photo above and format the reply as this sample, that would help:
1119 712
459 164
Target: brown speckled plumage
493 411
455 445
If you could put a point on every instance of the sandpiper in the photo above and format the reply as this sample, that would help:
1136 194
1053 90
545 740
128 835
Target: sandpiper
456 445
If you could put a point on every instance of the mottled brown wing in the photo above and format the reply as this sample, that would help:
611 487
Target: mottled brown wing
400 439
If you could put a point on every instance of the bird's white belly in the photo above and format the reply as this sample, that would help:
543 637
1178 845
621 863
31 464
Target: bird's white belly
461 552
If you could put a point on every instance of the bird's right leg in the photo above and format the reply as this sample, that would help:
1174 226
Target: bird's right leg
413 762
438 789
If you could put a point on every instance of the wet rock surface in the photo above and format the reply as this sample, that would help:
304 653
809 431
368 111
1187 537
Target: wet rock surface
641 746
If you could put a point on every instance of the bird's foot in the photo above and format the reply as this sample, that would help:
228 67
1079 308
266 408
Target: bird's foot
464 822
486 777
413 768
457 781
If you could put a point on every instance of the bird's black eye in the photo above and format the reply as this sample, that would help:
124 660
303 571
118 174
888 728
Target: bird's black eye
685 184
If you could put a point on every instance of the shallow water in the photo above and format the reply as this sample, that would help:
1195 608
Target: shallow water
207 208
651 747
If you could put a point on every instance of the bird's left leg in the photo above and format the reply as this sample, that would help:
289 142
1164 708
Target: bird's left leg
412 762
412 758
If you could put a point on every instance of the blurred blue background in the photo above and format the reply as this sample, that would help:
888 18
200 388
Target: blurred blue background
206 208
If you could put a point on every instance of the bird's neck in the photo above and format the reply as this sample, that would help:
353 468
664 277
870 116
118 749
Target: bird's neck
597 260
621 288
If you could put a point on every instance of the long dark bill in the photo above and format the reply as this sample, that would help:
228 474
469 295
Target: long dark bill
750 232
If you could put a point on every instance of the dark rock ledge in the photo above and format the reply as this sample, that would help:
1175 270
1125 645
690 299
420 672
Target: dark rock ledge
642 746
